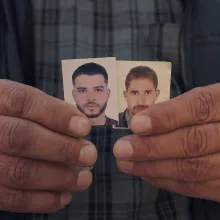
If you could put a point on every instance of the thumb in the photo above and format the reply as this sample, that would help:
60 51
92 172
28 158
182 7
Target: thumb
198 106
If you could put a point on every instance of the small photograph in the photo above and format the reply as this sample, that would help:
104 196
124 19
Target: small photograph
91 86
141 84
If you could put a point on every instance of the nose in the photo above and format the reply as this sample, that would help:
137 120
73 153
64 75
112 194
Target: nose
141 100
90 96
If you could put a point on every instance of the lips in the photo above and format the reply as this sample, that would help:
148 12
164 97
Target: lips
141 108
91 106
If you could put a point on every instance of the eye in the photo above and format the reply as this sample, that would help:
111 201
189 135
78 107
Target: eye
81 90
99 90
148 92
134 92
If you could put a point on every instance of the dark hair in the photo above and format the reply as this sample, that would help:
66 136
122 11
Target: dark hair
90 69
141 72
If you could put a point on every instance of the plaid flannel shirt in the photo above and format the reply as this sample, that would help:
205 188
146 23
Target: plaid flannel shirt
128 30
115 195
125 29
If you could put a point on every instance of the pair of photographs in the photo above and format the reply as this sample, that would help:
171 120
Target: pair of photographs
110 92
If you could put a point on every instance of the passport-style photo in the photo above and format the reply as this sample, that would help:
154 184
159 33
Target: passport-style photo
91 86
111 92
141 84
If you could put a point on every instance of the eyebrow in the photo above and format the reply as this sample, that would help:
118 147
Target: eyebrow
81 88
96 87
148 90
99 87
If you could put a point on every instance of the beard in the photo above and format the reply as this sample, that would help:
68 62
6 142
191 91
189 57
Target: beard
102 109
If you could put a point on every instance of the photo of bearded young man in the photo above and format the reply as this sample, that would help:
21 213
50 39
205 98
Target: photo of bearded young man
91 92
141 91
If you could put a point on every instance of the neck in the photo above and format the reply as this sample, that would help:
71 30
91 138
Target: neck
100 120
129 113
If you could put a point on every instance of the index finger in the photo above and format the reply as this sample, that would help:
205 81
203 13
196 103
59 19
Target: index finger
187 142
198 106
23 138
21 101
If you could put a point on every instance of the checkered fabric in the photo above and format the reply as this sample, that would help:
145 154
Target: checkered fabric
127 30
115 195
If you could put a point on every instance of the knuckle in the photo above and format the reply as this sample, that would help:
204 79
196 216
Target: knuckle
148 148
69 151
193 170
21 171
12 200
170 120
216 130
68 180
14 136
53 115
202 167
149 170
202 105
194 141
52 107
188 170
148 145
15 199
14 100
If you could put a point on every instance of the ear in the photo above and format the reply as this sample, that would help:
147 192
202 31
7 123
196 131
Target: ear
125 93
108 93
157 93
73 94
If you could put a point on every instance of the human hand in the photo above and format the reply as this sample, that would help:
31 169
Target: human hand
176 144
41 150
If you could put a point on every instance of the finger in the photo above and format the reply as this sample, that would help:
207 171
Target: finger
24 173
32 201
25 102
190 170
206 190
187 142
198 106
24 138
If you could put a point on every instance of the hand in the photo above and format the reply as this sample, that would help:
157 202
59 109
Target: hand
41 150
176 144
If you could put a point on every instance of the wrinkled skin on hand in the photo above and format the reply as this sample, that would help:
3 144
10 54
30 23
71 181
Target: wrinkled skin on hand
41 150
176 144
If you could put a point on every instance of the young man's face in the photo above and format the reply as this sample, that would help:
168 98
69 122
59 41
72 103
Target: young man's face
140 95
91 95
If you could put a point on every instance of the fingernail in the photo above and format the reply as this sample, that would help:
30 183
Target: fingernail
65 199
123 149
88 155
84 179
125 166
79 126
141 124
